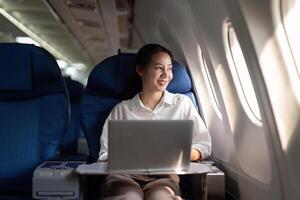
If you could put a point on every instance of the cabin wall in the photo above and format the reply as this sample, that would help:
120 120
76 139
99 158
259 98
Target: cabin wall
279 71
249 151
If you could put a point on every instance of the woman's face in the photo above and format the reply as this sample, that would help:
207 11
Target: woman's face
158 73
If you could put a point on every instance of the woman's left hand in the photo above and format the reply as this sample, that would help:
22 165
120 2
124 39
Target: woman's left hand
195 155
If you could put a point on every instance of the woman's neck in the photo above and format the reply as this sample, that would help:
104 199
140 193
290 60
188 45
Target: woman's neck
150 99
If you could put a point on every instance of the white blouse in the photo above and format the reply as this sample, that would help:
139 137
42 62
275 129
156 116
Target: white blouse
171 106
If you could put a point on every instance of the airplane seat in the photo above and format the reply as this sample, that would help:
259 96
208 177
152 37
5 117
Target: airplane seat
74 132
105 88
102 92
33 115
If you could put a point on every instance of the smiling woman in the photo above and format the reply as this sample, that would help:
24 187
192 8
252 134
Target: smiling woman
153 102
156 74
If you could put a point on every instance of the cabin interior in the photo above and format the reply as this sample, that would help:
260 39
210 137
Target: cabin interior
241 57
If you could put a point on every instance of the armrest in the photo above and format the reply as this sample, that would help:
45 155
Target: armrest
209 186
57 180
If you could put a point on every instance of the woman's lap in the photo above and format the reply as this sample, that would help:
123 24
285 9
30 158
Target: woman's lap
135 186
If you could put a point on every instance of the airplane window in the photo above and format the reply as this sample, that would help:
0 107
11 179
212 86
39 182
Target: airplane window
241 76
290 14
207 78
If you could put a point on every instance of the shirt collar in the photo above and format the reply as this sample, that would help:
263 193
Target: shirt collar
168 98
137 103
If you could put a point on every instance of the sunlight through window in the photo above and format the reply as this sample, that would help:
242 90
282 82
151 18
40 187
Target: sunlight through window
209 82
241 76
290 14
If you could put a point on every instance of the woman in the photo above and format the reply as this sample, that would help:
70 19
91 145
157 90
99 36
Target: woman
154 67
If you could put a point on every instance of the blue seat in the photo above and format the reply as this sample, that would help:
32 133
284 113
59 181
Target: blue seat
33 114
105 88
69 145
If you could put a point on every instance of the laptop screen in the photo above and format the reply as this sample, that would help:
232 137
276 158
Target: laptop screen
149 145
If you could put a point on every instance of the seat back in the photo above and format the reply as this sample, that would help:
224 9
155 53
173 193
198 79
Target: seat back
69 145
105 88
33 113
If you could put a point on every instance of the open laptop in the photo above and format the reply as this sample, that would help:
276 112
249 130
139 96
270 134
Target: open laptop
149 146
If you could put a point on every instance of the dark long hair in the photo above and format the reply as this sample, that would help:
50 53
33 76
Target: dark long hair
143 58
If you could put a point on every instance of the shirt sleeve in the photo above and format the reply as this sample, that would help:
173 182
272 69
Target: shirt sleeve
104 136
201 137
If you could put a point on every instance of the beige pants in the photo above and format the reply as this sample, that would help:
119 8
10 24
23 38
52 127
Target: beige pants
139 187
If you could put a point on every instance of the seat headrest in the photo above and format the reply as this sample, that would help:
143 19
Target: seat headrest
16 67
110 77
27 67
181 82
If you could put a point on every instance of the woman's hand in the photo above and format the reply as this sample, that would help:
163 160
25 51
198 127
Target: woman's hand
195 155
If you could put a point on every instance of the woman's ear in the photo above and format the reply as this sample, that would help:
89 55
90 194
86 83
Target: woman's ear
139 70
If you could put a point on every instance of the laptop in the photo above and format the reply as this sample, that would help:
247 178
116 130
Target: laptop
149 146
